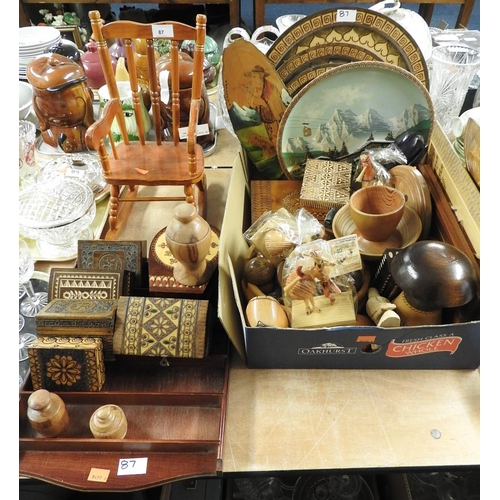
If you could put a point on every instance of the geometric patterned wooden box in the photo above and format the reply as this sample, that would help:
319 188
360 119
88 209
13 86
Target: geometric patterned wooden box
67 283
164 327
67 364
108 255
326 184
79 316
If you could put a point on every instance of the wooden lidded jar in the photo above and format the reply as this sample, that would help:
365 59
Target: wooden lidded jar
47 413
108 422
62 101
188 237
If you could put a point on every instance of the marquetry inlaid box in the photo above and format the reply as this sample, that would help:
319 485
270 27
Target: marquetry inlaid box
165 327
77 315
108 255
326 184
88 284
67 364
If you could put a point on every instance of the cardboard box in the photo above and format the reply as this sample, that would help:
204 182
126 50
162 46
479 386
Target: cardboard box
453 346
456 181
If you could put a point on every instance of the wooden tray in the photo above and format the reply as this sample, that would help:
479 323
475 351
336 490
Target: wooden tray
175 410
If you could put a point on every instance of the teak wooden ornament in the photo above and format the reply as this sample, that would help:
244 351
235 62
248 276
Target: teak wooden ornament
189 237
108 422
81 316
47 413
109 255
86 284
327 313
67 363
163 327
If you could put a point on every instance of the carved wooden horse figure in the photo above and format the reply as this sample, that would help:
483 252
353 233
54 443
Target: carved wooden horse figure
302 285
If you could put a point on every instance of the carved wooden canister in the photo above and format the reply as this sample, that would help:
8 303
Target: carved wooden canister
47 413
108 422
62 101
188 237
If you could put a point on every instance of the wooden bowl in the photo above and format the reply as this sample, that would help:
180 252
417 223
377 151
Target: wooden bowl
435 275
408 230
377 211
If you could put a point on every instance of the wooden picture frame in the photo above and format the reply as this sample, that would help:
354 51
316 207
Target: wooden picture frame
71 32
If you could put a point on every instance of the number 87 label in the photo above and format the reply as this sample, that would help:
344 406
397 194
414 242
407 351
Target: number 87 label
163 30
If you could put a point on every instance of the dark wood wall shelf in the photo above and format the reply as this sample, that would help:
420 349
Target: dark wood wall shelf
175 415
234 7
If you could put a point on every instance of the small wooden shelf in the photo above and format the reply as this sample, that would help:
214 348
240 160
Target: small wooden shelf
175 416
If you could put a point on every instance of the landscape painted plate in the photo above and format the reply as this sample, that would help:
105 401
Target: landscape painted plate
372 32
256 101
345 108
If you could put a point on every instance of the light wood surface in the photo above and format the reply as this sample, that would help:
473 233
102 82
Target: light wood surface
292 420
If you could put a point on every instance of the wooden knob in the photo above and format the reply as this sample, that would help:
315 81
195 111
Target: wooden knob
108 422
47 413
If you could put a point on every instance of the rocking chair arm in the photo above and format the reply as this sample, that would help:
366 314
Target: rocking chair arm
102 126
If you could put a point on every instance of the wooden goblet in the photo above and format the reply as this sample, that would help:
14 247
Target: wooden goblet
376 211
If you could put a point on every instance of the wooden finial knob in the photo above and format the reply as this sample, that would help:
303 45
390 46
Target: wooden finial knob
47 413
108 422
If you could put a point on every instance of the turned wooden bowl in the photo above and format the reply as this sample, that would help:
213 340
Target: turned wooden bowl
434 275
376 211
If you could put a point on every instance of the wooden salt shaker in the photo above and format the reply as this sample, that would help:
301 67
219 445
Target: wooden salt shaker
47 413
189 236
108 422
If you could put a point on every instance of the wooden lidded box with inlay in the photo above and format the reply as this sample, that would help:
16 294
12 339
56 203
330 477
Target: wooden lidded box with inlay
88 284
326 184
77 315
67 364
160 326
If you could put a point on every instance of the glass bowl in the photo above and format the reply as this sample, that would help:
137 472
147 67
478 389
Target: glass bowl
83 167
25 340
57 214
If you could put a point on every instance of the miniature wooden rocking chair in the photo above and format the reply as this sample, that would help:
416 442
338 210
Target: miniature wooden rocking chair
146 162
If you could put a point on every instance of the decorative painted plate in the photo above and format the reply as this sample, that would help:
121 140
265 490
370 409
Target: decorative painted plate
306 65
256 101
372 32
345 108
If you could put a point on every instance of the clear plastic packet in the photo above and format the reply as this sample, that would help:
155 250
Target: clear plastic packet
316 268
389 156
277 232
369 171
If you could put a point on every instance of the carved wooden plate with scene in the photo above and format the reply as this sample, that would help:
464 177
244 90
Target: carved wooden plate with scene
372 33
256 101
